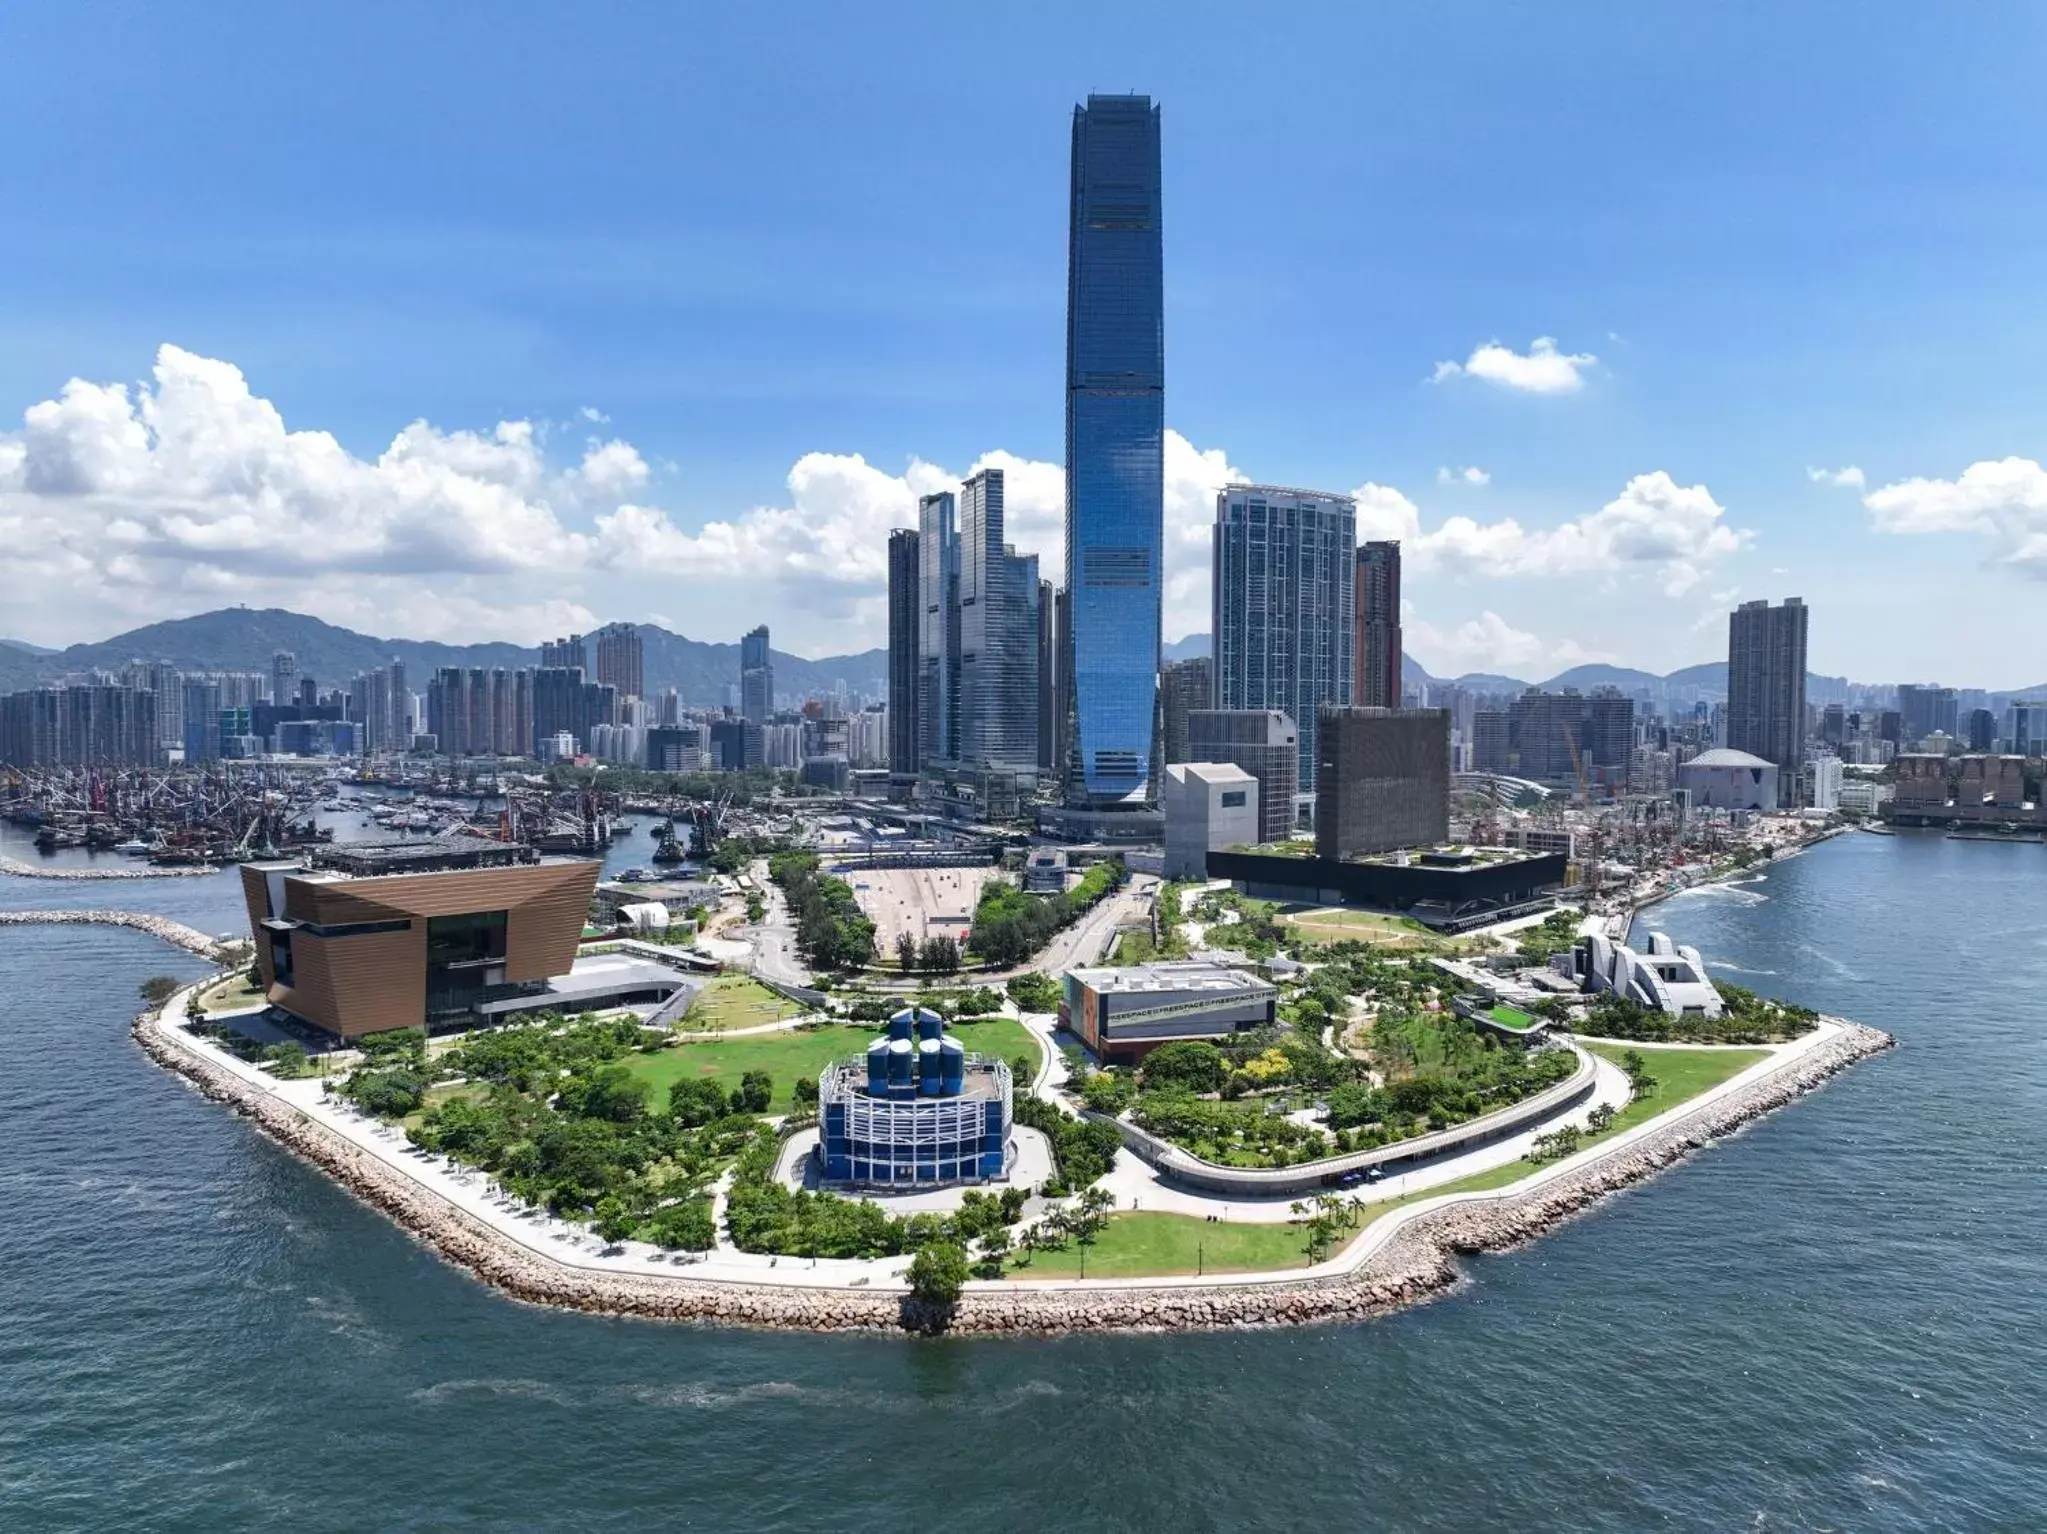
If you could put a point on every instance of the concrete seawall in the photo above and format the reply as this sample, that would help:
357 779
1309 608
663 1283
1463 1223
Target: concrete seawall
35 871
176 933
1405 1257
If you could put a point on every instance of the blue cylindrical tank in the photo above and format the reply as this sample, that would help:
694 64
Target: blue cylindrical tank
877 1067
900 1025
954 1054
930 1070
929 1024
899 1083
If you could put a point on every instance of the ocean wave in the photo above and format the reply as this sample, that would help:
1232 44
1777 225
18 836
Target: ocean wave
1739 893
512 1389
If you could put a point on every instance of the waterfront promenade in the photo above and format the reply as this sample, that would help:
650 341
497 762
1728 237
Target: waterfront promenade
1403 1255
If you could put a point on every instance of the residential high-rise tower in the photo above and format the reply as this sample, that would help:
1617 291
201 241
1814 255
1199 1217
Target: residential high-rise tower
1378 625
621 657
1281 594
1766 687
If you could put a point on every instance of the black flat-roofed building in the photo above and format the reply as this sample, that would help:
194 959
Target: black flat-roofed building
1452 887
1382 780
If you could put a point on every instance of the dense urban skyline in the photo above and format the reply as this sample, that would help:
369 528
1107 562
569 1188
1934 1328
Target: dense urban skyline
1616 387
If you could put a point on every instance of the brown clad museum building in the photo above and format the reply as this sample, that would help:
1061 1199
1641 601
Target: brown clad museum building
364 938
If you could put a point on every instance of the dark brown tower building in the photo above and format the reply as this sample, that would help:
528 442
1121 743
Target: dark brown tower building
1377 673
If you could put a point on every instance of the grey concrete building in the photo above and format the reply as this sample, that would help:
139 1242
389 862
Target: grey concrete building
1262 741
1382 780
1208 806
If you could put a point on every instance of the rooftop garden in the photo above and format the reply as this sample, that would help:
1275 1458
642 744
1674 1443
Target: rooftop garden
1281 1097
736 1001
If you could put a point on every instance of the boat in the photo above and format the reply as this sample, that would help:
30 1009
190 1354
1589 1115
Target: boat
136 847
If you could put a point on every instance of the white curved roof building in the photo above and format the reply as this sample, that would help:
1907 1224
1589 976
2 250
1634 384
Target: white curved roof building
1666 978
1729 780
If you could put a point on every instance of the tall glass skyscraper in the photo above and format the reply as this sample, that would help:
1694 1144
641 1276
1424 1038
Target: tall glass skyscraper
938 639
997 593
1115 445
756 676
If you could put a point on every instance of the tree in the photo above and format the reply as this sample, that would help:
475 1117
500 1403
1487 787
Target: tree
1600 1119
756 908
388 1094
906 951
938 1273
805 1092
158 989
684 1227
1108 1092
612 1223
756 1090
288 1059
939 956
1640 1082
1034 992
611 1092
994 1248
695 1101
1193 1064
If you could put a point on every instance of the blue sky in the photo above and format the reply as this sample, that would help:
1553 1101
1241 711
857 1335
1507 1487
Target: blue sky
708 255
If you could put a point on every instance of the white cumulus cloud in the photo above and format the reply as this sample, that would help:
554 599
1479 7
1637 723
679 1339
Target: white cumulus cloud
1488 643
2005 500
1848 477
1471 474
1676 531
1541 370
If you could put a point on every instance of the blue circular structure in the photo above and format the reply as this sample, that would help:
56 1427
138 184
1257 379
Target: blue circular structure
917 1110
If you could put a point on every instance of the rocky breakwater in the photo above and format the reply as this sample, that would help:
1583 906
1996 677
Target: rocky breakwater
23 870
176 933
1415 1263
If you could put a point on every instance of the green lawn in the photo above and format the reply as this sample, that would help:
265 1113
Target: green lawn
805 1052
1143 1245
1679 1073
735 1001
1511 1017
231 994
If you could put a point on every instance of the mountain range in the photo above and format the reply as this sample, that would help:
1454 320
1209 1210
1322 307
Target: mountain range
1707 680
245 638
